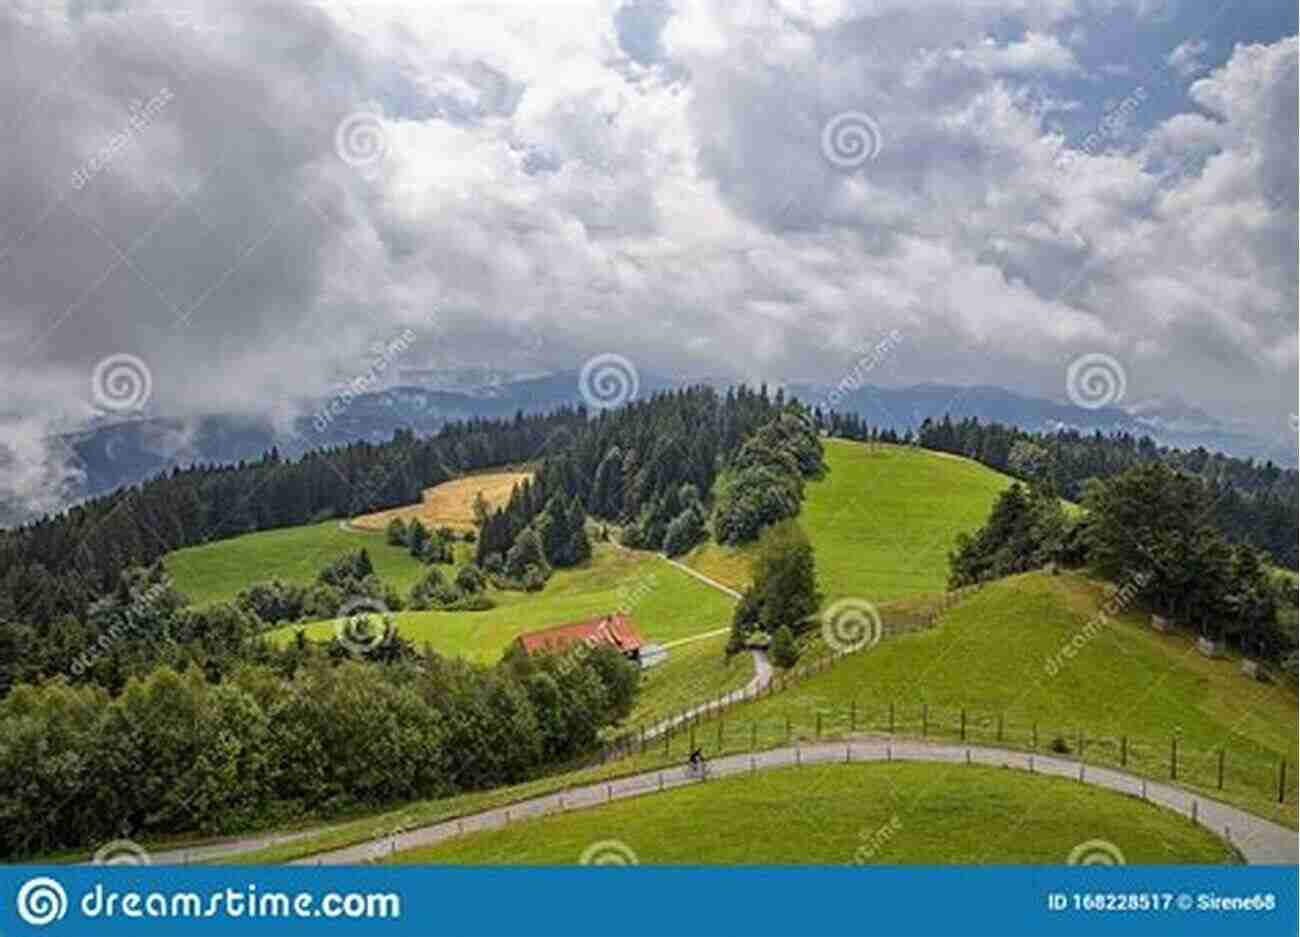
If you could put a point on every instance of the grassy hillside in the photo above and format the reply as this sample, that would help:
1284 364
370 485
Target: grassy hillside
837 814
666 604
882 521
216 572
694 673
989 655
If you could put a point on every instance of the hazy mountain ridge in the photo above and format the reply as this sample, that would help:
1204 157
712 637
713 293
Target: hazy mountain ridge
124 452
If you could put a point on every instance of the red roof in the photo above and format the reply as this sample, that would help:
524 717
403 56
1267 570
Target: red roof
615 630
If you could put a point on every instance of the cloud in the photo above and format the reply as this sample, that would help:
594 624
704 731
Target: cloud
632 177
1186 59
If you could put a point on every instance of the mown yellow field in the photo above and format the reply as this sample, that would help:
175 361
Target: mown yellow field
450 504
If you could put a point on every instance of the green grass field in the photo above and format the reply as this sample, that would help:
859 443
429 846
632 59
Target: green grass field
665 603
217 572
694 673
989 654
882 521
842 814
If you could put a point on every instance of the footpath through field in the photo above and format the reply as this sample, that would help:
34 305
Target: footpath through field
1260 841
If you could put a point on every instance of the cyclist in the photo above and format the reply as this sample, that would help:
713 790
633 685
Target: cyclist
697 761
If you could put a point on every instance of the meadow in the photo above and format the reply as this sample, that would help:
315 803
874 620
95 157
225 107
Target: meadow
882 521
217 572
841 814
1122 692
665 603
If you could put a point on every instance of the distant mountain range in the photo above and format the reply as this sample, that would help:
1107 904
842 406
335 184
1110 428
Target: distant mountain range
127 451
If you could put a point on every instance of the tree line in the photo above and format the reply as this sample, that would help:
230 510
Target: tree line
191 721
1152 529
61 564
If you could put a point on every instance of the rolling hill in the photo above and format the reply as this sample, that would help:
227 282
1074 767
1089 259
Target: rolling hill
838 814
216 572
881 521
989 656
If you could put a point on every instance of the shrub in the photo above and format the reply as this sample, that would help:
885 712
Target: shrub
470 579
785 652
1059 745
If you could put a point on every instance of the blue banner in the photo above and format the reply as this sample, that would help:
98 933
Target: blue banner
652 901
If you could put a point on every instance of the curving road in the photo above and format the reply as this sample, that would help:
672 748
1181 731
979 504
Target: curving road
1260 841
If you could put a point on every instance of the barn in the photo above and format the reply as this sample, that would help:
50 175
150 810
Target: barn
615 630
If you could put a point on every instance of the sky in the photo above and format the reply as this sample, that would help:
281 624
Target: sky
234 207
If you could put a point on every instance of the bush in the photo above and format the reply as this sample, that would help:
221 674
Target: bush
470 579
396 534
1059 745
785 652
684 532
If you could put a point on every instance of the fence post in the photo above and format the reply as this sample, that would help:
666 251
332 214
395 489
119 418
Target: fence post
1281 781
891 718
853 716
753 735
1173 758
692 738
925 719
1000 727
667 740
643 740
963 723
1123 751
819 723
1082 741
721 723
787 729
1221 769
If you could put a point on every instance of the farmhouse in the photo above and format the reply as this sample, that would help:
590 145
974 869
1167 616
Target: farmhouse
615 630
